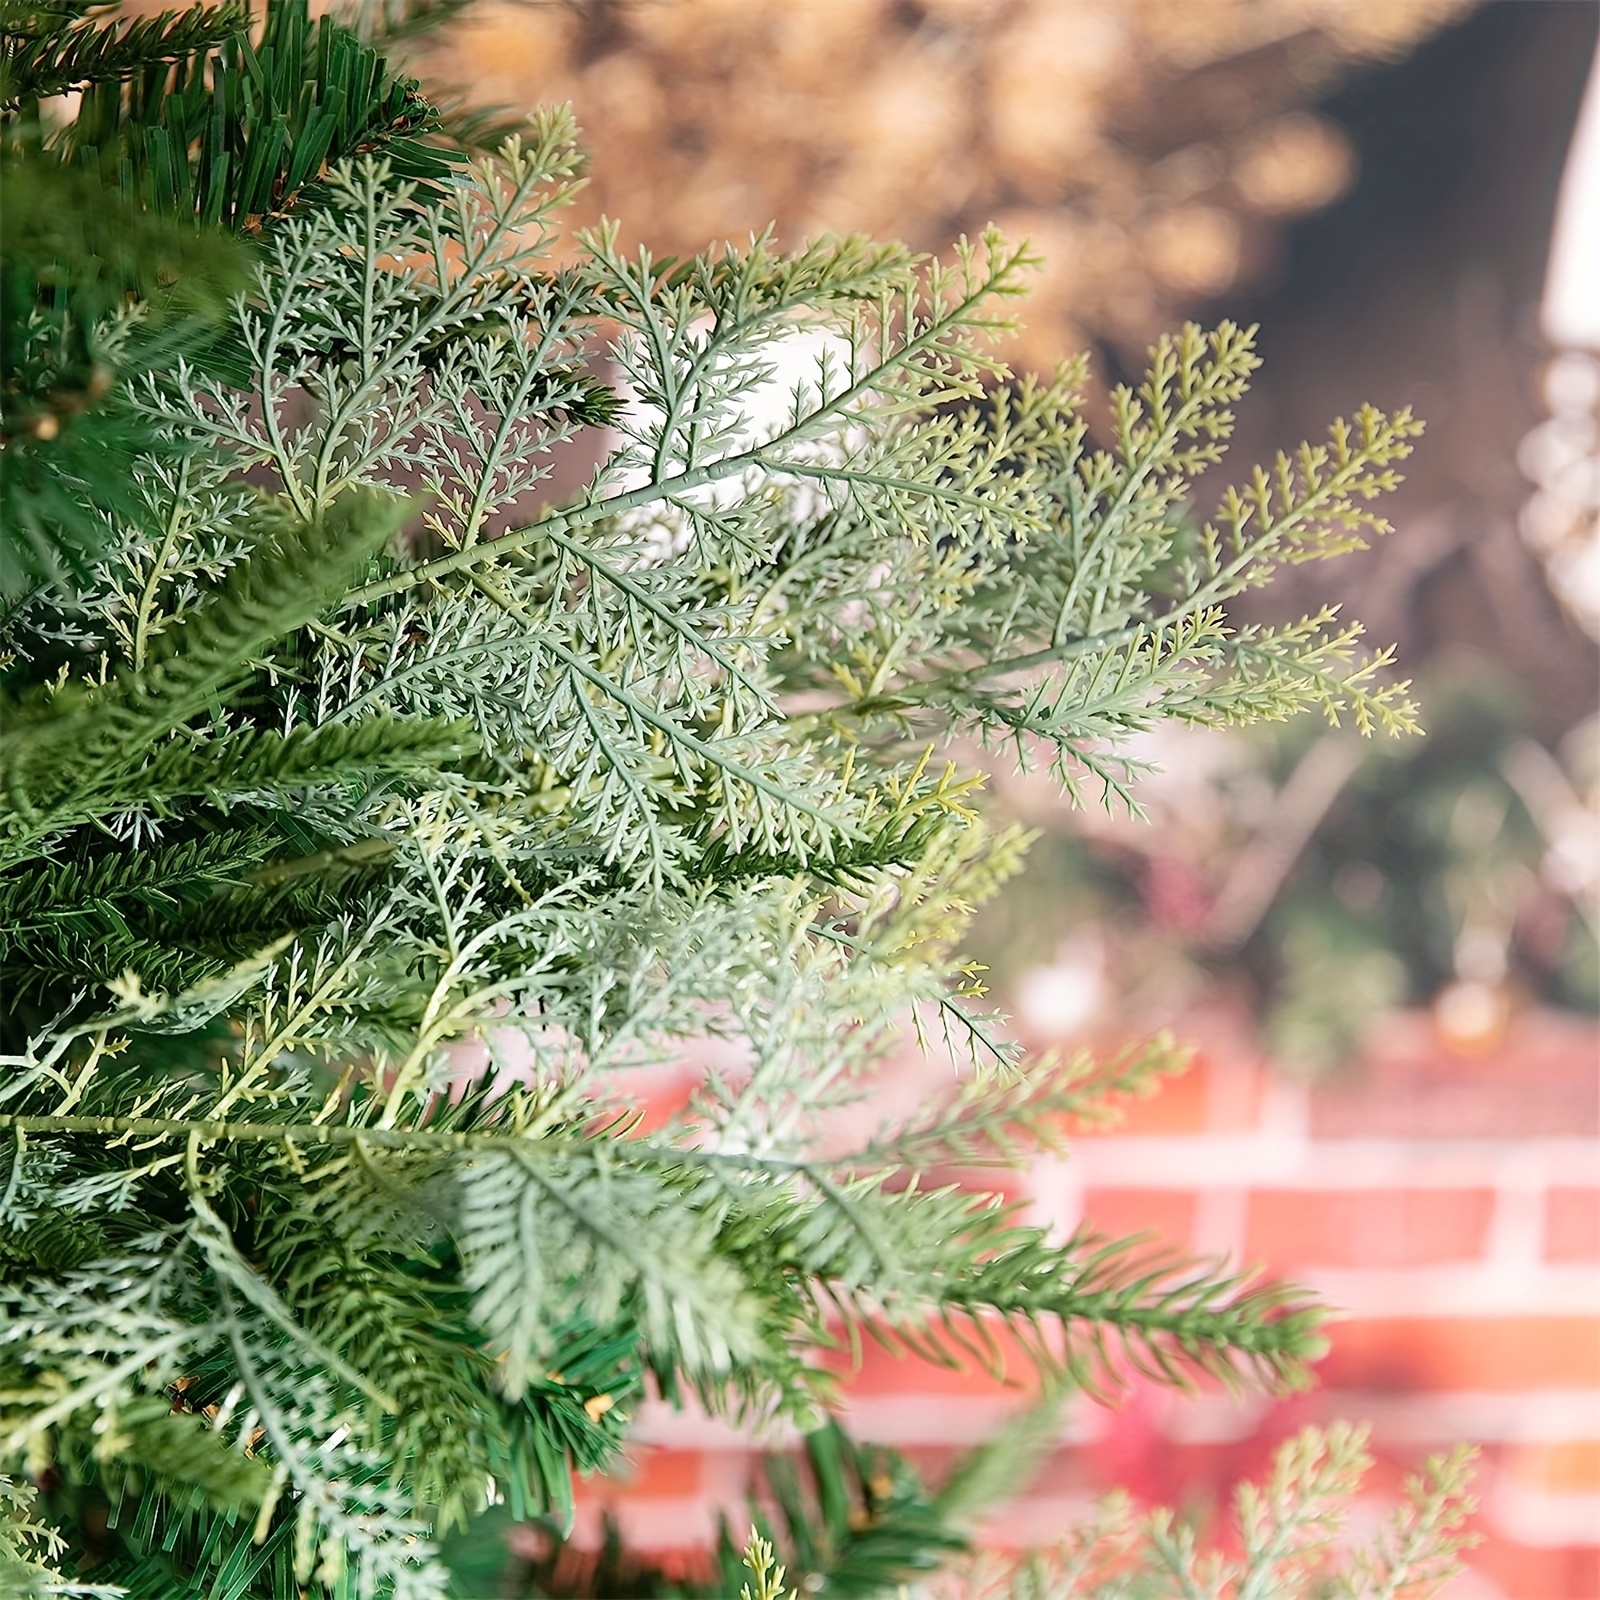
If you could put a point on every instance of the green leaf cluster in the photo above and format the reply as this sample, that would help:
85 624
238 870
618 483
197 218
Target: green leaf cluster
368 824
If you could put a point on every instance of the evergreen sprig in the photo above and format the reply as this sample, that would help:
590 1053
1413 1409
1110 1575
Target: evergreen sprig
52 50
185 118
237 134
855 1520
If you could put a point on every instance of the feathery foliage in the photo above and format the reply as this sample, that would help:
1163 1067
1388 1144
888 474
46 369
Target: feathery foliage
48 49
847 1519
367 822
1292 1542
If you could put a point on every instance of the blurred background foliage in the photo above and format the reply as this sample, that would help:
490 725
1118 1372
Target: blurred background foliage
1323 882
1153 149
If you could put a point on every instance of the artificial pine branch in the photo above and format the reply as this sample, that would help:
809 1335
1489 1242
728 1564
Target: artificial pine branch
1289 1539
238 135
183 117
854 1520
45 53
91 286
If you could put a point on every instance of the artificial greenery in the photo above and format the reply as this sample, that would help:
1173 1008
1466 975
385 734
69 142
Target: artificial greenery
366 824
91 286
179 116
855 1521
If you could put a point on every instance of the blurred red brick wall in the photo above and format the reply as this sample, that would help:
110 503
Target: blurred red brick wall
1449 1206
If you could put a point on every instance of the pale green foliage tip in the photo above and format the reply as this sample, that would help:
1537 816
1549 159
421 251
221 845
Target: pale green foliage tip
588 785
766 1573
1294 1542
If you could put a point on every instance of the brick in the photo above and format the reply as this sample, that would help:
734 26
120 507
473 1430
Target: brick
1151 1447
657 1471
1179 1105
1033 1521
933 1464
1541 1079
1168 1213
1367 1227
1430 1354
1069 1472
908 1422
1408 1098
655 1530
1524 1572
659 1093
1558 1466
1572 1224
882 1372
1236 1091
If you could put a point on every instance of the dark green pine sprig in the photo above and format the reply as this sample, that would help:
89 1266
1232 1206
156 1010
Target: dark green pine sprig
56 48
113 250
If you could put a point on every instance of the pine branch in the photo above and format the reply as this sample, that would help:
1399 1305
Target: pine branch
73 254
536 1231
245 133
92 917
943 1270
980 1124
1290 1530
861 1526
37 62
73 756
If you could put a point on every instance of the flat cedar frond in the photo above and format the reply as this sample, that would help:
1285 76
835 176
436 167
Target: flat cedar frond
367 821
